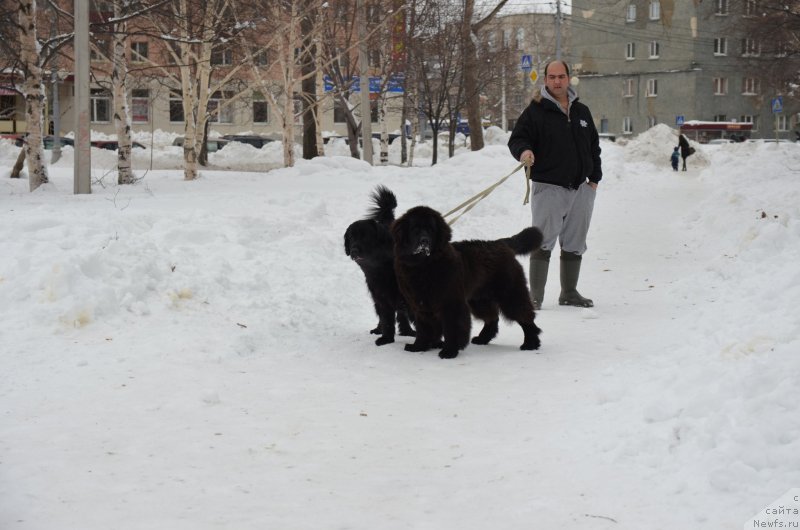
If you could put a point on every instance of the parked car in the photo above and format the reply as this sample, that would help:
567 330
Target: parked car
113 145
253 139
212 144
718 141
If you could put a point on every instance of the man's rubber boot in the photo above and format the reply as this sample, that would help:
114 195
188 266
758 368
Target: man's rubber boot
570 272
540 263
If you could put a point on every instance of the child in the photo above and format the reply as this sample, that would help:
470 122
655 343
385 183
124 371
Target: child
675 158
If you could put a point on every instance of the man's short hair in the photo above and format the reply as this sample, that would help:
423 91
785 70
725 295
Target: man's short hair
566 66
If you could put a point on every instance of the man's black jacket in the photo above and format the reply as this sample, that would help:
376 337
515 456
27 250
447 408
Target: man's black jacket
566 151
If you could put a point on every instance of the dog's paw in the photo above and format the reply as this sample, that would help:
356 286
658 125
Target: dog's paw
408 333
384 340
480 340
416 347
448 353
376 331
533 345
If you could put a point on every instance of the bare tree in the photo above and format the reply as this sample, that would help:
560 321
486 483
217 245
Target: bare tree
437 66
470 30
26 54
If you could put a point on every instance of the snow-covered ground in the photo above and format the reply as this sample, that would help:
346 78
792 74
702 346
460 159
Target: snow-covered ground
195 355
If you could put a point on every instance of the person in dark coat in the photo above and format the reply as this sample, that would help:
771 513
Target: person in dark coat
686 150
557 138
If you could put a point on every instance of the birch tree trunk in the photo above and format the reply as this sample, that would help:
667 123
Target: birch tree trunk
384 157
33 90
122 118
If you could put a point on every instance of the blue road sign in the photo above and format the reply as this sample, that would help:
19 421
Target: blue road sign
777 104
679 120
526 63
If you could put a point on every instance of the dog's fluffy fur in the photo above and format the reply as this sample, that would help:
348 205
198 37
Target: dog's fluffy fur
444 282
369 243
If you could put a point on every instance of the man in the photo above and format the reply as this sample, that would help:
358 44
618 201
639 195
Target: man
557 138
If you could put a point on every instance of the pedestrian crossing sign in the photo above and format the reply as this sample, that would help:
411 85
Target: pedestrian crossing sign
526 63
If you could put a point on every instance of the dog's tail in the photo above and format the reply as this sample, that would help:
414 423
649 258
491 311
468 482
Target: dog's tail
525 242
385 203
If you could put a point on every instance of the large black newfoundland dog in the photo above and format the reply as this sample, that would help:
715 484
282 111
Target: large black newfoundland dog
443 282
369 243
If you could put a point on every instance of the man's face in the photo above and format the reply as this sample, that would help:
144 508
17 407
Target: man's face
557 80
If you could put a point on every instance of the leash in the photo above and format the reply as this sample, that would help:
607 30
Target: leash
475 199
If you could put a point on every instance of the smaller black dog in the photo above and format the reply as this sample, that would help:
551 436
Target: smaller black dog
368 242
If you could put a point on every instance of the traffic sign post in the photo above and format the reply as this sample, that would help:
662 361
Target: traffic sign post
526 63
777 108
680 120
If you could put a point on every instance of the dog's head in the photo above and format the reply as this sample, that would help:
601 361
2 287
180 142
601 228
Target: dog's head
420 232
367 241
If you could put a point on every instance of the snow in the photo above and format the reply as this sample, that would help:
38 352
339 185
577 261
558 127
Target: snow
196 355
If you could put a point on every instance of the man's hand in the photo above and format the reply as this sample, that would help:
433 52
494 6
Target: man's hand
593 185
526 157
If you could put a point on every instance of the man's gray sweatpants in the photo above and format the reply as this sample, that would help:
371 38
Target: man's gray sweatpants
563 214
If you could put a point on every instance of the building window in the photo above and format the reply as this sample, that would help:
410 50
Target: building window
655 10
781 49
374 13
260 109
100 49
506 39
720 86
721 46
750 8
747 118
654 49
630 51
627 125
783 122
8 107
722 7
138 52
100 105
652 88
175 106
627 88
750 86
140 105
651 122
603 125
218 111
750 48
339 112
631 13
260 58
720 117
222 57
374 57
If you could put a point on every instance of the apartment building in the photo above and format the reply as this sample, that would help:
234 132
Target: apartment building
644 62
525 36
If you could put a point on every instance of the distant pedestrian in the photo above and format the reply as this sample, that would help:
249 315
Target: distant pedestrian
675 158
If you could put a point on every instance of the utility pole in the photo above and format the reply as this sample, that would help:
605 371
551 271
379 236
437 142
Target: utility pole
558 30
363 65
83 160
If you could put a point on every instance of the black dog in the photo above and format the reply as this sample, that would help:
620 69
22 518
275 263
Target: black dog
369 243
443 282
